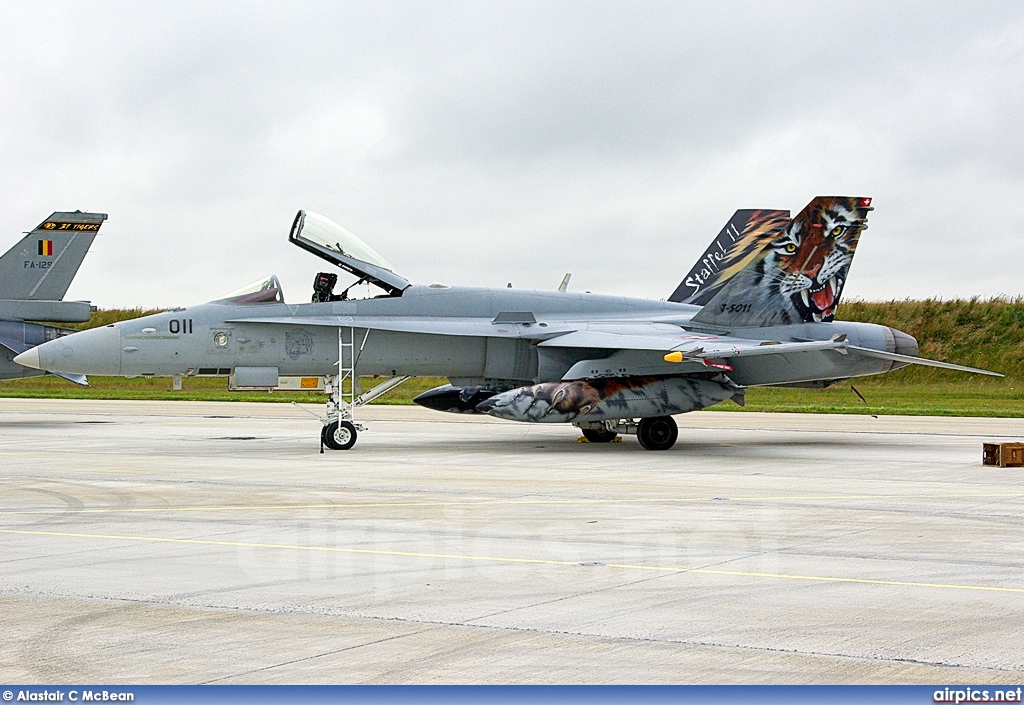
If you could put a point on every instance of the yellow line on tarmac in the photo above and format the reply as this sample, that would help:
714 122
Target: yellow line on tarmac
503 502
506 559
822 578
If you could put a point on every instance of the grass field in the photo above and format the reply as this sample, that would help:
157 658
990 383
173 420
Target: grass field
962 396
985 333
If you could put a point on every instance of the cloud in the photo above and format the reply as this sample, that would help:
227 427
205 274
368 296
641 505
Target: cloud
480 143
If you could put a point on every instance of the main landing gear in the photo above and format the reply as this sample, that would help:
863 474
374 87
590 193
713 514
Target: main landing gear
599 435
657 433
654 433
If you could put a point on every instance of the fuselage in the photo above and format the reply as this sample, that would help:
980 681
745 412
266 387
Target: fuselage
462 333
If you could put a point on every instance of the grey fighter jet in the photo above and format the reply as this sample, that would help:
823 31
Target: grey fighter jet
757 309
34 276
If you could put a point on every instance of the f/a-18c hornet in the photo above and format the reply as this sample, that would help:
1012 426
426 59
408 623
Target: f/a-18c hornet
757 309
34 276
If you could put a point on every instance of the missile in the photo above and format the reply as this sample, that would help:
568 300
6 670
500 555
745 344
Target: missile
678 356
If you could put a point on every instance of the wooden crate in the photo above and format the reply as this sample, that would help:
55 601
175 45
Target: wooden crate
1004 455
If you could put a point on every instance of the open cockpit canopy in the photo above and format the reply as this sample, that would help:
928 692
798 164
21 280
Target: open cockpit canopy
264 291
328 240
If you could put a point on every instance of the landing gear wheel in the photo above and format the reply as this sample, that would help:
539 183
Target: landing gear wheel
657 433
599 435
338 436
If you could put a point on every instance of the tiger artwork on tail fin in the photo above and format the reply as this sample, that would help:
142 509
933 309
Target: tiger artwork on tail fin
746 233
799 276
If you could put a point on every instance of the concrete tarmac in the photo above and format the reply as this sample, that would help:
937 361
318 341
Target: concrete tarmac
176 542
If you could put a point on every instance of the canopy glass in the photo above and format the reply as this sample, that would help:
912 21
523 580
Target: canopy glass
326 233
328 240
264 291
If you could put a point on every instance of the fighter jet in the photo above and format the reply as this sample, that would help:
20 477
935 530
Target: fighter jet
757 309
34 276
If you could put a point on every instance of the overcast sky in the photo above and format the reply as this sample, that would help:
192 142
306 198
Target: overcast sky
487 142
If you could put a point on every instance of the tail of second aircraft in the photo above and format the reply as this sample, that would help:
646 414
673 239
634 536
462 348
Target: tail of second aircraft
745 235
798 277
42 264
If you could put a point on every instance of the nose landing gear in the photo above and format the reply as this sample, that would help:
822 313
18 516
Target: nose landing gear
339 427
338 435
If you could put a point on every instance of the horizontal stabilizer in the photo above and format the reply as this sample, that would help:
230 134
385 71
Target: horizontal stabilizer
895 357
35 310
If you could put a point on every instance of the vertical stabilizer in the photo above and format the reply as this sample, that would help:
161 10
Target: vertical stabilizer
799 275
43 263
746 233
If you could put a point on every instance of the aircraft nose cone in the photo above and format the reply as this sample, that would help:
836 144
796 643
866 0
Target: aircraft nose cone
91 352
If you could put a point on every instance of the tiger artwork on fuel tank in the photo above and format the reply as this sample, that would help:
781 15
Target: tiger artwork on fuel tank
799 276
606 398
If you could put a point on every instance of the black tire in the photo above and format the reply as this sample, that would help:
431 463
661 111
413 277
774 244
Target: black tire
657 433
599 435
338 436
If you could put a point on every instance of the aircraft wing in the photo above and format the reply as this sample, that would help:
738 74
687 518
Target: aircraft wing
692 344
645 348
607 340
680 353
748 362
